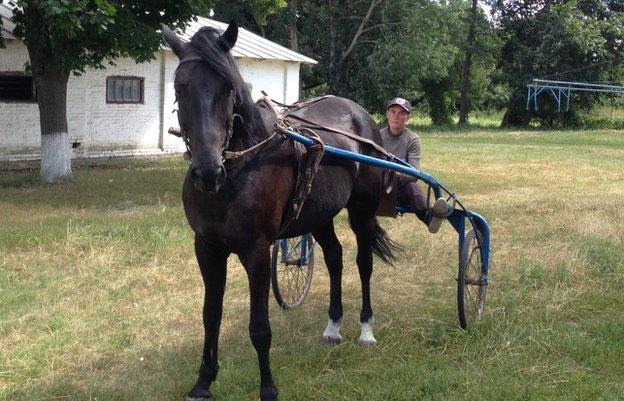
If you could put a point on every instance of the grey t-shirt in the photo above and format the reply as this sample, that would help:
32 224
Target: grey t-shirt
405 145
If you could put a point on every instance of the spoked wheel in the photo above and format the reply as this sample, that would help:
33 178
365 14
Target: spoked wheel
470 286
292 265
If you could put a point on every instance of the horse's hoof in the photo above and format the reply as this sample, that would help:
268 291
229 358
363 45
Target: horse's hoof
368 343
331 335
268 394
199 395
331 340
189 398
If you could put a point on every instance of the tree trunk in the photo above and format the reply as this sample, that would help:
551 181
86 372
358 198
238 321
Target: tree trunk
51 88
334 58
294 44
470 41
516 114
51 91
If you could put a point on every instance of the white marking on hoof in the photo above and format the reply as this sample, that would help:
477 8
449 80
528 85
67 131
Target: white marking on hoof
331 335
367 339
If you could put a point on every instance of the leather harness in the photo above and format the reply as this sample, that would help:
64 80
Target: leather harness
312 155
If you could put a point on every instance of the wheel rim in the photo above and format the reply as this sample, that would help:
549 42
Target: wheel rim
472 282
471 288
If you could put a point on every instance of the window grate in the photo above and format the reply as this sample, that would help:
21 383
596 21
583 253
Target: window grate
124 90
19 88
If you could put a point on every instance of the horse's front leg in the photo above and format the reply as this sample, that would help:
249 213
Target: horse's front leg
212 264
256 262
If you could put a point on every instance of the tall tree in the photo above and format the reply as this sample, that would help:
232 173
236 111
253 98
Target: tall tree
292 25
344 41
65 36
470 42
416 56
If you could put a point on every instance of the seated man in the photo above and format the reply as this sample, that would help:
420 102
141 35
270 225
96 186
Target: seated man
405 144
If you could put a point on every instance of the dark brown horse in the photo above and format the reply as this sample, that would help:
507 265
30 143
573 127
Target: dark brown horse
237 206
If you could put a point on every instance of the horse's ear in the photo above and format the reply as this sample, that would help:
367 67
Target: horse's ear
173 41
228 38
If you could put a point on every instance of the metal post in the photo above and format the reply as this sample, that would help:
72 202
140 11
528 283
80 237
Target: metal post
568 101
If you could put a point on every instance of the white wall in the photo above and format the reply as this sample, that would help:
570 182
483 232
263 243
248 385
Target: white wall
109 127
279 79
122 129
19 121
170 143
100 128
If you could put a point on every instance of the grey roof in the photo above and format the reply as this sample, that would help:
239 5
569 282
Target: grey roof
6 12
248 44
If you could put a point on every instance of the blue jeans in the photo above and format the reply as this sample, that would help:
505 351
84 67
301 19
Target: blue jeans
411 195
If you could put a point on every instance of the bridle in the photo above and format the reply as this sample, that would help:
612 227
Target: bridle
225 154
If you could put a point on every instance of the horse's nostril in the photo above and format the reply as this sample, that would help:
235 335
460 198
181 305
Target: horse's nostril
197 173
208 178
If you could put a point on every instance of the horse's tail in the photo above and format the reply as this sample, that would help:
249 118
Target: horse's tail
383 246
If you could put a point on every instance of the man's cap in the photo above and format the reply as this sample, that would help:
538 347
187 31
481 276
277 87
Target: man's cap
399 101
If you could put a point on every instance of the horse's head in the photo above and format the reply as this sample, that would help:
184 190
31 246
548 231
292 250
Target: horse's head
207 87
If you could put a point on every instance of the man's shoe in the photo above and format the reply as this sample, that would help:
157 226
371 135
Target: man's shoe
439 211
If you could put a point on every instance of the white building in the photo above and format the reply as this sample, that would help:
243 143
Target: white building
127 109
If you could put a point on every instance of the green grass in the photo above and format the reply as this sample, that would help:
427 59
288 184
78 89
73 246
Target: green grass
100 296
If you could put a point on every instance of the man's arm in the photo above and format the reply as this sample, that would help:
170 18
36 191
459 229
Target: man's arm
413 152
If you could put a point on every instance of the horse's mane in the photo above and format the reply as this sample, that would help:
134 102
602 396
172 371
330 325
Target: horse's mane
207 45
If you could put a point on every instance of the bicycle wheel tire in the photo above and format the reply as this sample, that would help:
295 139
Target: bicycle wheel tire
470 287
291 276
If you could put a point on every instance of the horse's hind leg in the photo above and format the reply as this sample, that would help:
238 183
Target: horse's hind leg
212 264
332 250
256 262
364 228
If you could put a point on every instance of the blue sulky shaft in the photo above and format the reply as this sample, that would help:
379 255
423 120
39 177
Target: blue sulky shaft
456 219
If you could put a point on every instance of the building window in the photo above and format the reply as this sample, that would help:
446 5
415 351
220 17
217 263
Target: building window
124 90
17 88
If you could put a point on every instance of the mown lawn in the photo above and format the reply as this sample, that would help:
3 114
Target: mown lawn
100 297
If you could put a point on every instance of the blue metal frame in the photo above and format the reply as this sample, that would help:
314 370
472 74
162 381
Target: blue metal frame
560 89
457 219
303 244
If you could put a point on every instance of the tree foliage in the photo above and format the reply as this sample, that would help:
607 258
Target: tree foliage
251 14
87 33
371 50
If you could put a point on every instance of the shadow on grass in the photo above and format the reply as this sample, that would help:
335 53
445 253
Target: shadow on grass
116 186
19 179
